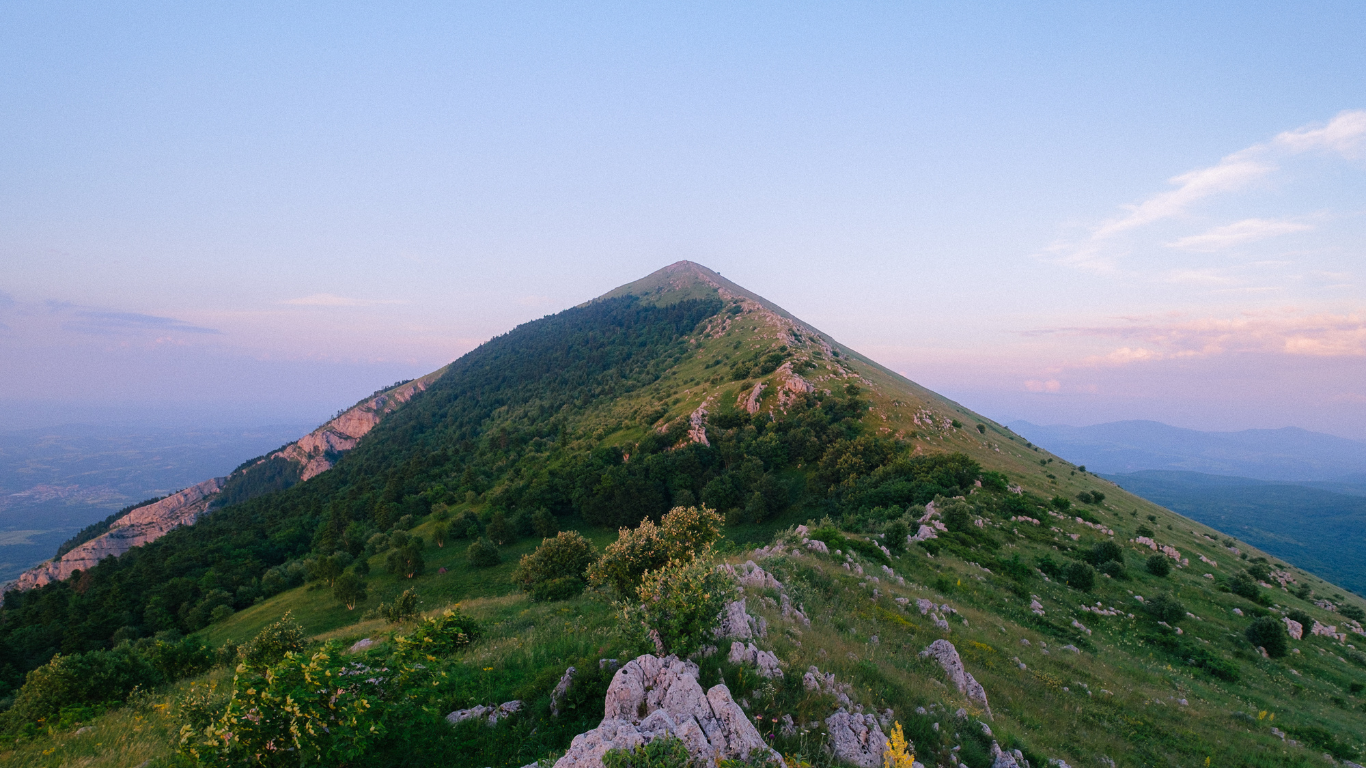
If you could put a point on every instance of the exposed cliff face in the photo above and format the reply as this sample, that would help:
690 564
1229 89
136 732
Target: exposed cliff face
138 527
317 450
315 453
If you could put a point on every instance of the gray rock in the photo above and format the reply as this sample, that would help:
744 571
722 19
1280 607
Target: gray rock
736 623
561 689
856 739
1002 759
361 645
488 712
651 697
768 664
943 652
1293 627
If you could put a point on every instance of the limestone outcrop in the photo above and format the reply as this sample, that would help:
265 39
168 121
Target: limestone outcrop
747 653
943 652
314 453
652 697
134 529
856 739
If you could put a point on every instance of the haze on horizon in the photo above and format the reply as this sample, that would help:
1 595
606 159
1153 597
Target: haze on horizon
1073 214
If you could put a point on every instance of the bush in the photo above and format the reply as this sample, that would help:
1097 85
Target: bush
544 523
498 529
349 589
563 559
1112 568
1243 586
1166 608
689 530
626 560
403 608
92 678
440 636
957 515
1144 530
894 535
682 602
273 643
440 533
995 481
406 561
1352 612
1080 576
1158 565
1061 503
483 554
1106 551
1303 618
1269 632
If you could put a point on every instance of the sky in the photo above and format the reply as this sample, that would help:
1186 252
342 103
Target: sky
1066 213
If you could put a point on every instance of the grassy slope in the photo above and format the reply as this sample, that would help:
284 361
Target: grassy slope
1045 706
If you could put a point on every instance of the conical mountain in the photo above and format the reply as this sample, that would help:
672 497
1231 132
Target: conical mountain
913 563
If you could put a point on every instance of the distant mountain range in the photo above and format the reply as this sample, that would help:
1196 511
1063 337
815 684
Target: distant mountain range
1288 454
1314 528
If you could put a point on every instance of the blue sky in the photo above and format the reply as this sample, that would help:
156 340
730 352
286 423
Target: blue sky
1065 213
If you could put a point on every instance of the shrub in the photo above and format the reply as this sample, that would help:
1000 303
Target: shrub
1352 612
1158 565
1259 571
995 481
1269 632
92 678
483 554
688 530
682 602
1080 576
563 559
1144 530
1166 608
498 528
465 525
544 523
272 643
1243 586
1106 551
1061 503
982 428
349 589
1303 618
440 533
441 636
280 716
894 535
1112 568
406 561
403 608
220 613
957 515
626 560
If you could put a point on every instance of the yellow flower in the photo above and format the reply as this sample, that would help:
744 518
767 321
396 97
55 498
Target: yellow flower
896 755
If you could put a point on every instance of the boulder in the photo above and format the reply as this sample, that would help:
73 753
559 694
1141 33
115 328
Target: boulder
561 689
1294 628
943 652
651 697
856 739
1003 759
489 712
736 623
361 645
768 664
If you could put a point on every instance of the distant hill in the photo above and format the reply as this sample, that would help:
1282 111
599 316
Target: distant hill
1313 528
1264 454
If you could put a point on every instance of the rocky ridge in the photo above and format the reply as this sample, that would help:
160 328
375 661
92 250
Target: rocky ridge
314 453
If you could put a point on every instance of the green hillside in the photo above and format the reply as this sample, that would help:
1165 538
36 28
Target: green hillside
684 390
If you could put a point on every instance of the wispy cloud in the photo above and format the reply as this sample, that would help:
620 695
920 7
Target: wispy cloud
1287 332
333 300
1098 247
102 322
1238 233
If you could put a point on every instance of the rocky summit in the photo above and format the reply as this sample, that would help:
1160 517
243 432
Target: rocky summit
674 526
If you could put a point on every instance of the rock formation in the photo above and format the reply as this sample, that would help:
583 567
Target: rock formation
856 739
314 453
943 652
768 664
652 697
138 527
